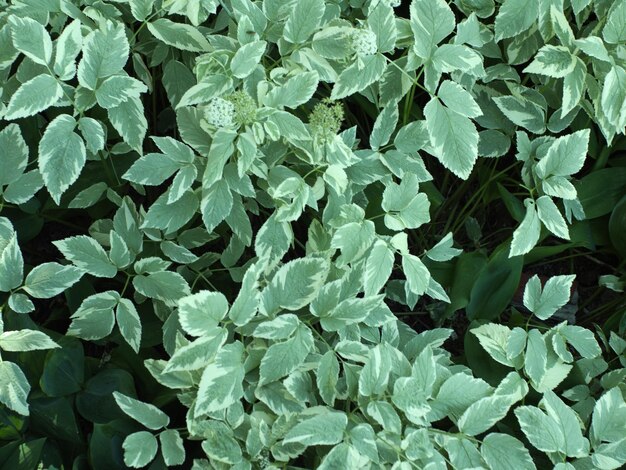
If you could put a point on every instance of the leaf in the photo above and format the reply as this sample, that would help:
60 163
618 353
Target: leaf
582 340
94 318
452 57
443 250
296 91
219 444
324 429
378 268
170 217
535 360
457 99
216 204
11 260
527 234
181 36
281 359
14 388
93 134
431 22
172 447
522 112
349 311
31 39
608 421
453 137
141 9
246 58
613 100
327 377
105 53
87 254
20 303
118 89
145 413
68 46
129 323
140 448
13 154
359 76
25 340
199 314
152 169
50 279
198 353
384 126
545 302
494 338
374 376
34 96
504 452
304 18
483 414
129 121
417 274
221 384
515 17
575 444
573 87
212 86
565 156
62 155
281 327
614 31
297 282
552 61
541 430
165 285
549 214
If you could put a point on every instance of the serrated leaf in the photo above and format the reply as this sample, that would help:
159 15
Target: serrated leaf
129 323
541 430
552 61
34 96
281 359
614 31
140 448
216 204
198 353
25 340
129 121
526 236
172 447
11 260
14 388
452 57
104 54
522 112
608 421
416 272
50 279
582 340
200 313
246 58
117 89
384 126
94 318
304 18
359 76
68 46
504 452
181 36
324 429
565 156
515 17
31 39
221 384
165 285
573 87
613 98
545 302
296 91
327 377
453 138
431 22
171 217
87 254
145 413
374 376
536 357
93 134
13 154
483 414
457 99
575 444
378 268
551 217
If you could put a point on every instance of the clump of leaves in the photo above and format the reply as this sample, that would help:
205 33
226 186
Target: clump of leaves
246 199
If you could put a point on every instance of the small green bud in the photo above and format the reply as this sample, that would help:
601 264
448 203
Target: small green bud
326 118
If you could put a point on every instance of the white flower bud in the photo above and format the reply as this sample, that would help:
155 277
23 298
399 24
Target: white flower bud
220 112
364 42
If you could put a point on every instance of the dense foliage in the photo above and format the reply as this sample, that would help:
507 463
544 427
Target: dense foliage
338 234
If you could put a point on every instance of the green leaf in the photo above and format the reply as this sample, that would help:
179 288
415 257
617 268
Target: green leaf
172 447
443 250
608 422
549 214
281 327
610 456
581 339
165 285
565 156
129 323
350 311
216 204
20 303
483 414
613 99
62 155
181 36
453 137
614 31
246 58
527 234
219 444
13 154
200 313
93 133
50 279
324 429
378 268
26 340
140 448
34 96
552 61
296 91
87 254
117 89
68 46
374 376
14 388
212 86
431 22
504 452
171 217
221 384
141 9
515 17
11 260
304 18
545 302
541 430
64 369
119 254
494 338
94 318
452 57
198 353
31 39
523 112
145 413
359 76
129 121
384 126
535 360
281 359
457 99
297 282
416 272
105 53
152 169
327 377
575 444
573 87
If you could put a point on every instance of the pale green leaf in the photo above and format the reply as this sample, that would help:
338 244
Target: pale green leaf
526 236
431 22
34 96
613 99
26 340
246 58
515 17
541 430
324 429
327 377
575 444
416 272
140 448
172 447
117 89
94 318
13 154
483 414
221 384
50 279
14 388
281 359
145 413
87 254
304 18
68 46
614 31
504 452
129 121
549 214
565 156
165 285
552 61
105 53
378 268
129 323
31 39
181 36
93 134
200 313
457 99
295 91
545 302
608 422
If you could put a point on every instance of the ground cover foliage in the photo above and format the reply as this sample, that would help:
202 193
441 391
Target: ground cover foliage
338 234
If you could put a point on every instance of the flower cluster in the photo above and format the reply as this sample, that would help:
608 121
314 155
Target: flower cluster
220 112
364 42
244 106
326 118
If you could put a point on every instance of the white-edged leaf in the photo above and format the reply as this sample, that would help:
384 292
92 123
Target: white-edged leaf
552 61
526 236
87 254
378 268
50 279
34 96
14 388
25 340
104 54
504 452
304 18
181 36
31 39
172 447
145 413
545 302
221 384
129 323
323 429
200 313
140 448
246 58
